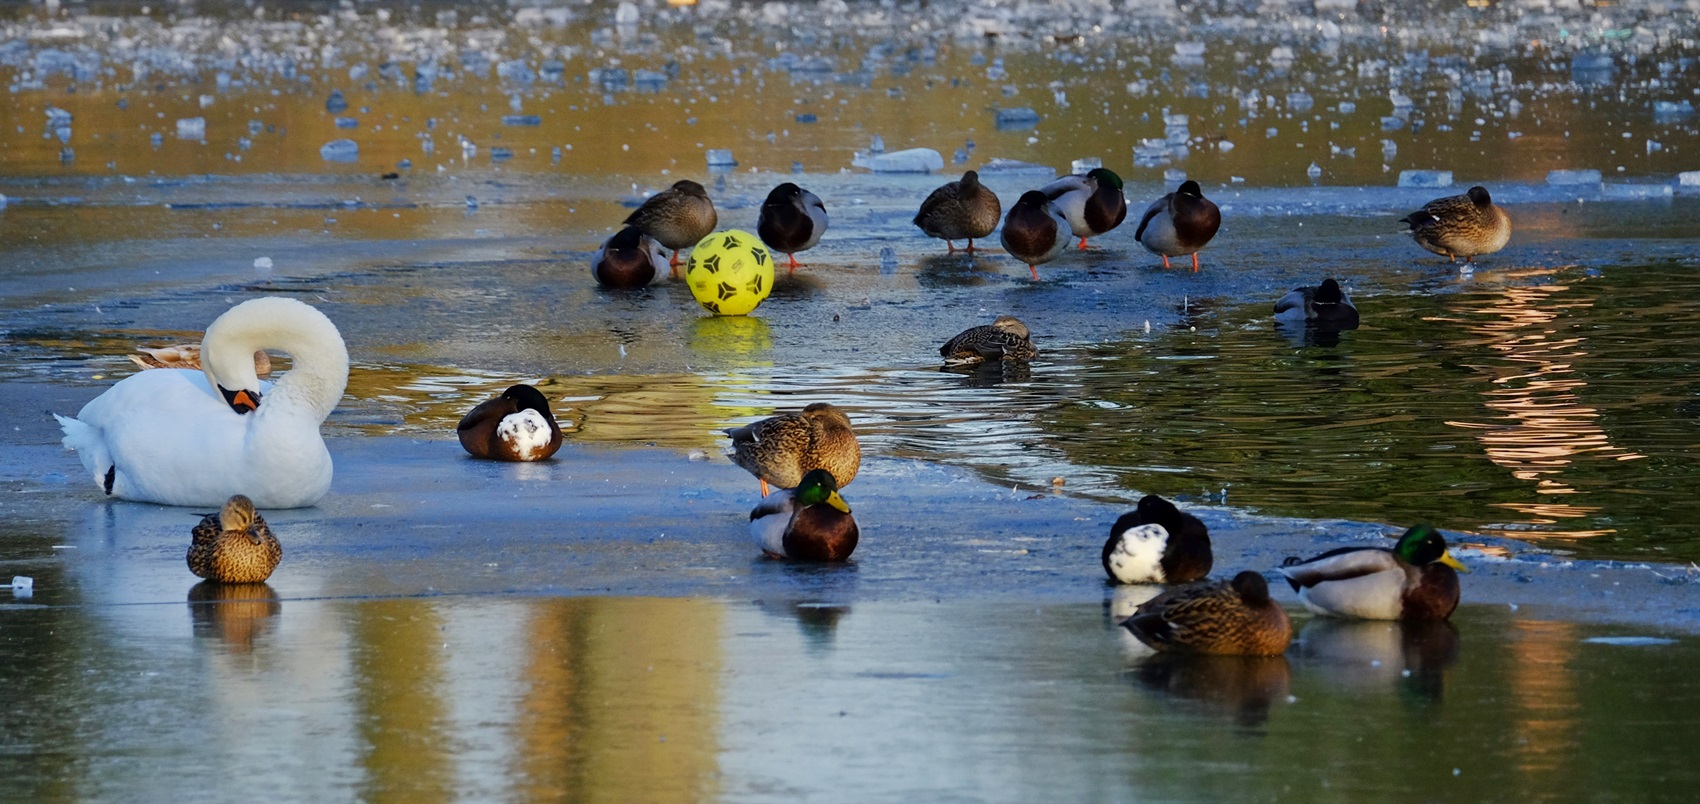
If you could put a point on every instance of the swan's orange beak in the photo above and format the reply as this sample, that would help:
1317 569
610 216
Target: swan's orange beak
241 401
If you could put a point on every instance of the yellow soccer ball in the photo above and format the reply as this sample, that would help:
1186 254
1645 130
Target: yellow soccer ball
730 272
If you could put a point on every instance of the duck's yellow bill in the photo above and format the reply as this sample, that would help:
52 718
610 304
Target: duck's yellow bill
1448 560
838 502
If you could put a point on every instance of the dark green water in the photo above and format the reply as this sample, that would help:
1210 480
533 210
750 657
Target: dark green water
702 699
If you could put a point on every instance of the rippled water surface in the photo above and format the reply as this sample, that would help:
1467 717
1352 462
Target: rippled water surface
638 698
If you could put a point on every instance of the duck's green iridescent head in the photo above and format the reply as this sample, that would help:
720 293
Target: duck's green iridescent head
1423 545
1105 176
818 486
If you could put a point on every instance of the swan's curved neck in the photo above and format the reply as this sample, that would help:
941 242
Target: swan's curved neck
319 368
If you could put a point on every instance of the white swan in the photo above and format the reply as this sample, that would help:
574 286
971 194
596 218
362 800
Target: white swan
182 437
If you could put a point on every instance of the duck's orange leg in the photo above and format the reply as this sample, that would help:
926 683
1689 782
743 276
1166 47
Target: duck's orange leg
792 268
1082 244
1195 262
763 487
970 248
1035 270
1165 262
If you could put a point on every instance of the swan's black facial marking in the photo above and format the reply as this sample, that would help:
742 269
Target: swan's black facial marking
241 401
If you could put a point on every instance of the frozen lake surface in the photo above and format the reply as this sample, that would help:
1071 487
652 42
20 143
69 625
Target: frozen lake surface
434 177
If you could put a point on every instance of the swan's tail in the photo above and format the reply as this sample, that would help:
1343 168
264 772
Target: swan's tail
90 448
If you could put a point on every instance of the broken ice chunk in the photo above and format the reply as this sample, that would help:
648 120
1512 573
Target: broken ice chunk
1425 178
1022 117
721 157
1087 164
1565 178
912 160
340 151
192 128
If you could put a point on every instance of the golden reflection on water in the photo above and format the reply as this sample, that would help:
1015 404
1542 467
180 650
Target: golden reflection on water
620 701
401 696
1545 427
1545 718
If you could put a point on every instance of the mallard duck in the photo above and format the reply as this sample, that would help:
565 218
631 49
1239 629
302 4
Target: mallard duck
780 449
1179 223
1465 225
1325 306
516 426
181 437
629 259
1093 204
1229 617
962 209
676 217
188 356
810 522
1004 339
1157 543
1413 581
1035 231
234 545
792 219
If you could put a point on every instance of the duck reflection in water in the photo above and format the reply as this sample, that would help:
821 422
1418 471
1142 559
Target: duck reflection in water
816 620
235 613
1241 687
1410 656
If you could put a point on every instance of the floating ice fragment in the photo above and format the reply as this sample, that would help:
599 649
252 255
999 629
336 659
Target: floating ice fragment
876 145
912 160
1347 107
1225 146
1624 641
340 151
521 120
806 117
1636 192
721 157
336 103
192 128
1020 117
1560 178
22 586
1087 164
1314 171
1391 123
499 154
1425 178
156 139
1592 68
626 14
888 260
1688 178
1174 177
1192 50
347 122
1300 101
1668 109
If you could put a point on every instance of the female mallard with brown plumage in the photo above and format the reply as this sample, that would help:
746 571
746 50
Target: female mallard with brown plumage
1413 581
962 209
676 217
1093 204
1229 617
234 545
792 219
629 259
1467 225
1035 231
781 449
188 356
1157 543
810 522
1179 224
516 426
1004 339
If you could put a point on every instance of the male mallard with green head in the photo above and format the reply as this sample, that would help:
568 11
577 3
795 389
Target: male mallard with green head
1179 224
516 426
962 209
1413 581
781 449
1004 339
1035 231
1234 617
676 217
1325 306
1467 225
810 522
792 219
234 545
1157 543
1093 204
